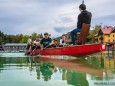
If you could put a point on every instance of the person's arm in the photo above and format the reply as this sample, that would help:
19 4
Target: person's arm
38 44
34 42
79 21
29 41
90 17
50 41
41 44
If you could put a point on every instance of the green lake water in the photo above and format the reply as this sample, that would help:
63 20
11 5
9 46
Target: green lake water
95 70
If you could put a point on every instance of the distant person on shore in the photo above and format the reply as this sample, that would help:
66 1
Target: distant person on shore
46 41
83 17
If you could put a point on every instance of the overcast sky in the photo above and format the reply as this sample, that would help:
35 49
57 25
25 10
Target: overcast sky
53 16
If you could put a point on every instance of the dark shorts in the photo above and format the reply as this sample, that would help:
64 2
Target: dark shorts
28 46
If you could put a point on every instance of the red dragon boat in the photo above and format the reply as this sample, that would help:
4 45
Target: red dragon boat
76 51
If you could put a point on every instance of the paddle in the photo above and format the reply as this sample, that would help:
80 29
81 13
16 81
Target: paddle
44 49
33 51
28 50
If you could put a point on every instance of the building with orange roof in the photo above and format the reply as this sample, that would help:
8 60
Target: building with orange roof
106 35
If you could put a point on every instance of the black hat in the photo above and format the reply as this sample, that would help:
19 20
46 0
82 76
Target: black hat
82 6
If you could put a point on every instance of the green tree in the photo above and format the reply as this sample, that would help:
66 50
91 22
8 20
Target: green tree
1 37
1 40
40 35
92 33
18 38
34 35
24 39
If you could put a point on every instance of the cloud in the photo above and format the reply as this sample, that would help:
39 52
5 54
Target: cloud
105 20
52 16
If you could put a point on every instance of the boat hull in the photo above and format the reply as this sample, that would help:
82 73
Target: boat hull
76 51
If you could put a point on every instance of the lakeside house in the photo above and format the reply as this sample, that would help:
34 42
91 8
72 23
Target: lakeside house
15 46
106 35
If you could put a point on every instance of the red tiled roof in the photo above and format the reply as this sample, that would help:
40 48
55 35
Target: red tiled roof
107 30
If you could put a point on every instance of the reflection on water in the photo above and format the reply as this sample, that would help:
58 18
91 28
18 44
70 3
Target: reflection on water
96 70
13 54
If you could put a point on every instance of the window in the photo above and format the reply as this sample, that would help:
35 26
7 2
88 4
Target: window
108 40
113 35
108 35
113 40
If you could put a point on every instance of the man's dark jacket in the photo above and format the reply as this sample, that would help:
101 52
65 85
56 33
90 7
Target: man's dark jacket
84 17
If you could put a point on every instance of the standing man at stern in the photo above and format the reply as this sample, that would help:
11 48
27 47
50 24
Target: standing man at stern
83 17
